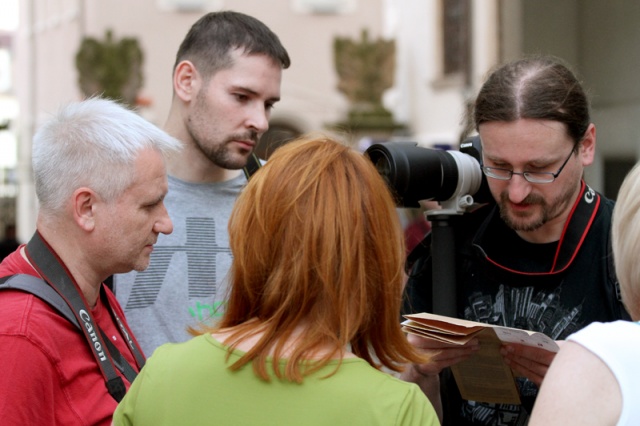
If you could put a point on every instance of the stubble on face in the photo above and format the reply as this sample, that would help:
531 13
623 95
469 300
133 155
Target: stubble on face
540 211
221 154
138 216
214 145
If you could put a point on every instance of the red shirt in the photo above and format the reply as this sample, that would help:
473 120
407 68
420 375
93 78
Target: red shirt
48 374
415 232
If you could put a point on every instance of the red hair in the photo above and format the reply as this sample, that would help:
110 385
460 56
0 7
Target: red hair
316 240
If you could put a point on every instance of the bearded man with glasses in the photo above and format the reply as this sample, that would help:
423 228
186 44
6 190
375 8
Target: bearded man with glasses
540 257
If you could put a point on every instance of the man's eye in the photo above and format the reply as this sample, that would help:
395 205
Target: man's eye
151 205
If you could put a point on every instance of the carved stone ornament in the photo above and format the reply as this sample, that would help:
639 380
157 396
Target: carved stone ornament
110 68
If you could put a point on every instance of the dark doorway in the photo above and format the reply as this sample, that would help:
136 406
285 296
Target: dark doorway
277 135
615 170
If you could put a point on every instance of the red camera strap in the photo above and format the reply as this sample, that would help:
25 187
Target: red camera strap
575 231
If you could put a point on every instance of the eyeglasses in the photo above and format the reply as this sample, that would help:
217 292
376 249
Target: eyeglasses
533 177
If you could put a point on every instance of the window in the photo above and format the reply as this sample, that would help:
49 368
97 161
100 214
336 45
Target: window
615 170
189 6
324 7
456 26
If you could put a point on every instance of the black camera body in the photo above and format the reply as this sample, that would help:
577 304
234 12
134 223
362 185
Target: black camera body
452 178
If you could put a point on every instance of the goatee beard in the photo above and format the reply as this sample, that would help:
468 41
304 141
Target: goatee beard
518 225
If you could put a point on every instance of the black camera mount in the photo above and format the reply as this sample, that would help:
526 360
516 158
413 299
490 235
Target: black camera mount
452 178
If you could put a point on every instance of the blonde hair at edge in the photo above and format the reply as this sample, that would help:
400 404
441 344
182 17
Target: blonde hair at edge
316 242
626 241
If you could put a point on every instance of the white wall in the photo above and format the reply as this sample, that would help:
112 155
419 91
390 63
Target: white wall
51 32
431 104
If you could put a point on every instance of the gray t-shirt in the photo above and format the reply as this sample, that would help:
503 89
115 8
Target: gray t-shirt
186 279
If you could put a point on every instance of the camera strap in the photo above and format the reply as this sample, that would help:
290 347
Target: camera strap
252 166
575 230
56 275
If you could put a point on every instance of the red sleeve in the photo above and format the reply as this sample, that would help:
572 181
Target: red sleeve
15 264
27 383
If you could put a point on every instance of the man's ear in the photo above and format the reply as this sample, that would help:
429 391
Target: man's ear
588 148
84 204
186 81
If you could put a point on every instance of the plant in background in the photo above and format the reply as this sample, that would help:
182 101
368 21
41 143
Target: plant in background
110 68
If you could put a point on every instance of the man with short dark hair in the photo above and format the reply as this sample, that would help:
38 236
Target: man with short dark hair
226 80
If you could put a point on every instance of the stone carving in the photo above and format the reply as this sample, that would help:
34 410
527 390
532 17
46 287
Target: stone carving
110 68
365 70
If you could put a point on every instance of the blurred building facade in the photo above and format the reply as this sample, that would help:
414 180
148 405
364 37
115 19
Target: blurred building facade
444 49
8 142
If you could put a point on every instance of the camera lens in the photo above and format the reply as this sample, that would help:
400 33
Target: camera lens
415 173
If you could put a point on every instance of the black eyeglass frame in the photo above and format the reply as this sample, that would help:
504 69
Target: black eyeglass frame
527 175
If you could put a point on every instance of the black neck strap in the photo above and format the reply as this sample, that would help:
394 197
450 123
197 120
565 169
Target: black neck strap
252 166
53 271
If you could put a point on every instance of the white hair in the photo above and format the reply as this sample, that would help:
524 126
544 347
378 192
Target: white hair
91 143
626 241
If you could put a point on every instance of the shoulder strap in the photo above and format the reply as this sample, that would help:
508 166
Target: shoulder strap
55 274
252 166
39 288
42 290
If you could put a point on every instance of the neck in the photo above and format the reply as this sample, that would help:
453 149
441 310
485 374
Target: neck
246 344
548 233
85 278
194 167
552 230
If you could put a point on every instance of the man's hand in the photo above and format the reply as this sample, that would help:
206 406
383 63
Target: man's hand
442 355
528 361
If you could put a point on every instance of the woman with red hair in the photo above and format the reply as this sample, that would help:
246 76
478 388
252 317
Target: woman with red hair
313 312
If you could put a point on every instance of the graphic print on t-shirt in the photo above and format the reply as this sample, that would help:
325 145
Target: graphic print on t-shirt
200 248
526 308
522 308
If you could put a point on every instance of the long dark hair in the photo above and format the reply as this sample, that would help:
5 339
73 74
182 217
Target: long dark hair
537 87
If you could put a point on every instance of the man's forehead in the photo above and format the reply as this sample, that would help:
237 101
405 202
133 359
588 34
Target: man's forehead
251 78
539 136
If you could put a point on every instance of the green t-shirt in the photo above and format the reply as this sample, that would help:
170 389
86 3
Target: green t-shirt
189 384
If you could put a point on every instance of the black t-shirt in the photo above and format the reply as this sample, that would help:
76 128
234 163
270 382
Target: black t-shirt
556 288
